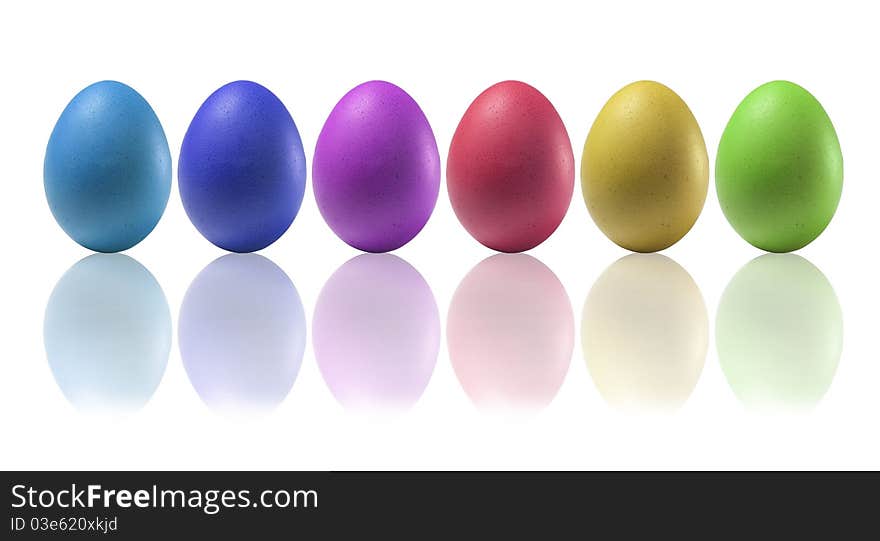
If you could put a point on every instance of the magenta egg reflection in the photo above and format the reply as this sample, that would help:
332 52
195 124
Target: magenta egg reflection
242 334
510 333
376 333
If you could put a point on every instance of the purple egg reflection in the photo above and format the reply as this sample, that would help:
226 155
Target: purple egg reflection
242 334
376 333
510 333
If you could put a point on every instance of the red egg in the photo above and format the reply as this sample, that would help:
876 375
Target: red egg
510 171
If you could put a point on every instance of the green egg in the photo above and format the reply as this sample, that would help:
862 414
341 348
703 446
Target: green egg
779 169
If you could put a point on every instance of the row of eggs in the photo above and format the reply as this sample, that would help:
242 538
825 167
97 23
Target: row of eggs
510 169
376 333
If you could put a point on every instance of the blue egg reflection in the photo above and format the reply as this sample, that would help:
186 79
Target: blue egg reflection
107 333
242 334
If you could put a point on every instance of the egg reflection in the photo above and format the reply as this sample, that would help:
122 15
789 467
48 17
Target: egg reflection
107 333
645 333
242 334
779 333
510 333
376 333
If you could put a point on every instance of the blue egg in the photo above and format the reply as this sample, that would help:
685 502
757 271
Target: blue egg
107 171
242 170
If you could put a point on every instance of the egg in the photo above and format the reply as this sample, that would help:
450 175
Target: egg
645 169
376 333
510 333
376 171
242 170
779 168
107 334
645 333
242 334
779 333
510 171
107 171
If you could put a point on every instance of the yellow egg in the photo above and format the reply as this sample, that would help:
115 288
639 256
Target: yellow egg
645 169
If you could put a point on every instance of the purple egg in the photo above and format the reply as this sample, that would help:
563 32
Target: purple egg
376 170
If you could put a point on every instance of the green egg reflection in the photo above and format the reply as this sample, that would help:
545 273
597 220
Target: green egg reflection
779 333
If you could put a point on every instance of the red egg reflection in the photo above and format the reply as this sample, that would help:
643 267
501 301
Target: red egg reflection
510 333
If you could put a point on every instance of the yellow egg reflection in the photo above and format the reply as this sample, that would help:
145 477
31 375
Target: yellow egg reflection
645 333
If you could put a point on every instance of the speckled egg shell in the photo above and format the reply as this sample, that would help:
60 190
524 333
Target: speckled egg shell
376 171
779 170
645 169
510 171
242 170
107 171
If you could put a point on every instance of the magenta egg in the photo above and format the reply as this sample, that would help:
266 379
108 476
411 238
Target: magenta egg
376 171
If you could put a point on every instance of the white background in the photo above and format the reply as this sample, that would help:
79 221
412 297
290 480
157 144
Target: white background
444 54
